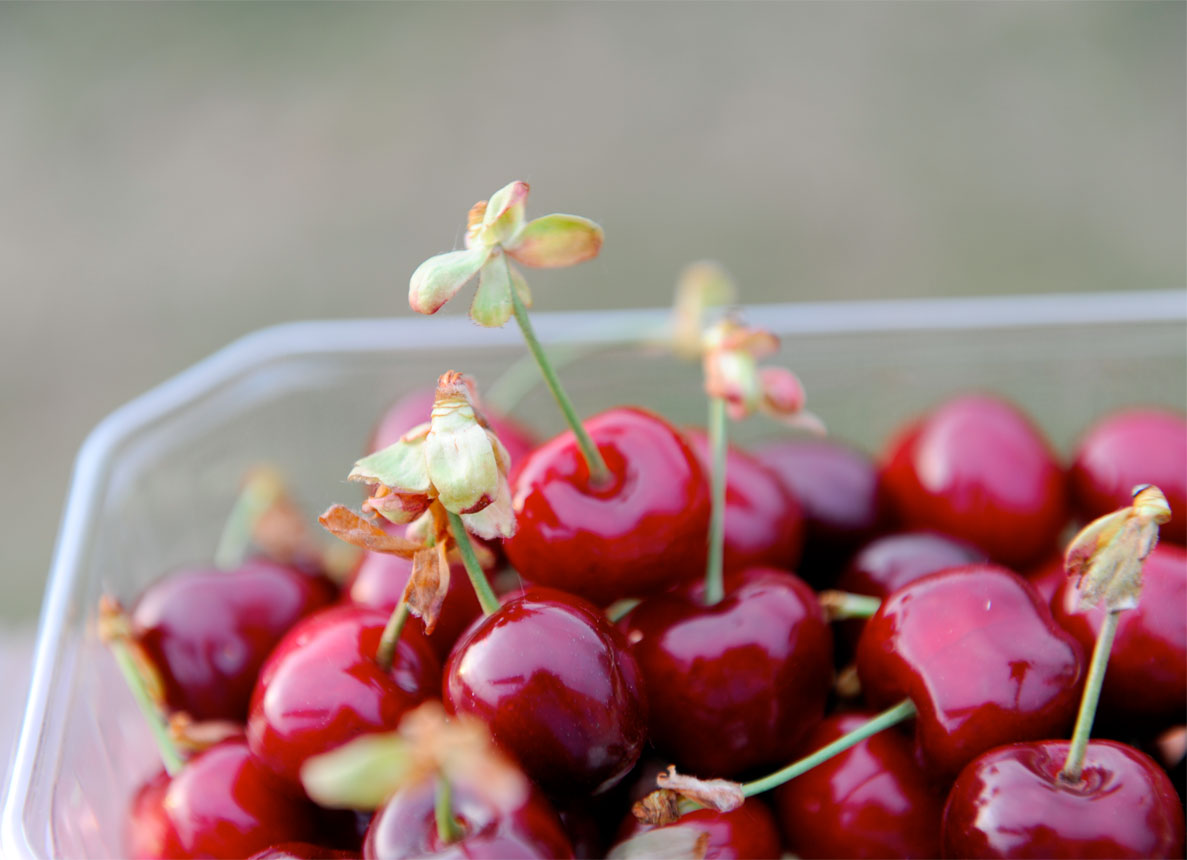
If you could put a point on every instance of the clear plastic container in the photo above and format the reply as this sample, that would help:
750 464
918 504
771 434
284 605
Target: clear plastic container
154 480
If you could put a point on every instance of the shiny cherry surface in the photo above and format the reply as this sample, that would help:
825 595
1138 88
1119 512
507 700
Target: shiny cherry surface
641 531
321 687
406 827
1010 802
837 489
222 803
977 469
1146 681
1135 446
558 687
209 630
978 652
871 801
733 687
747 833
763 525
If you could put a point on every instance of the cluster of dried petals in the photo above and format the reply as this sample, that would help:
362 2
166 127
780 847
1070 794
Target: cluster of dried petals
496 230
1107 555
731 352
702 286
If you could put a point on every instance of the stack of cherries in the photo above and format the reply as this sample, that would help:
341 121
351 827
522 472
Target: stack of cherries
635 640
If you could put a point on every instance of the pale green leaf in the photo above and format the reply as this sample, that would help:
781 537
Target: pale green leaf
557 240
504 212
361 774
438 279
492 301
400 465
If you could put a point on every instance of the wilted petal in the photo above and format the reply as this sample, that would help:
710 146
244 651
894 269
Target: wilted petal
557 240
345 524
462 464
733 377
400 466
360 774
701 286
427 585
438 279
503 217
720 794
496 520
492 302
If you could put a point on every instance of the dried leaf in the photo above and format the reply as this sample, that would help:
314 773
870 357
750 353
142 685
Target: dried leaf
719 794
427 585
658 808
438 279
557 240
355 529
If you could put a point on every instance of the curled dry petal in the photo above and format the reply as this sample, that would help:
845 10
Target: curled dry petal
658 808
427 585
496 520
345 524
719 794
438 278
404 490
557 240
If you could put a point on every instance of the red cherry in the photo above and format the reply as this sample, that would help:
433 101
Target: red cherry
733 687
837 490
221 804
1047 578
746 833
978 652
1135 446
977 469
322 686
406 827
643 530
209 631
763 525
1146 680
558 687
873 800
1010 802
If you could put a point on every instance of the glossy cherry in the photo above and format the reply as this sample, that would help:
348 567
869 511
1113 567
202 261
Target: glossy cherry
558 687
977 469
209 630
747 833
1131 447
1047 577
1011 802
322 686
977 651
836 486
222 803
642 530
763 525
1146 681
735 686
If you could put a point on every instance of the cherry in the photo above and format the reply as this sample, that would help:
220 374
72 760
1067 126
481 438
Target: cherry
734 686
406 826
837 490
209 631
873 800
322 686
763 525
1047 577
977 469
977 651
558 687
221 804
1012 802
1146 681
1131 447
747 833
639 531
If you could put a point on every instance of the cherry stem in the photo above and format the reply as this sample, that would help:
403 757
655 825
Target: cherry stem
599 472
447 827
482 590
718 433
904 710
385 654
843 605
618 610
261 491
1074 765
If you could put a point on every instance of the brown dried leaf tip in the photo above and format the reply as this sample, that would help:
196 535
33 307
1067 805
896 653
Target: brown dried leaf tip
116 630
719 794
1107 555
658 808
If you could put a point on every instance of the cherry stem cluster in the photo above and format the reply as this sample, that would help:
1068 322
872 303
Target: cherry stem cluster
1074 765
598 471
718 442
482 590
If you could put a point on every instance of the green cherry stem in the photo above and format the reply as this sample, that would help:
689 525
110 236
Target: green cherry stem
904 710
598 471
1096 676
447 827
257 496
714 575
482 590
843 605
385 654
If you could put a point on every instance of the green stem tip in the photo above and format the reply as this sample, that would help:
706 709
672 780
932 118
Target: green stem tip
385 654
448 830
1074 765
718 443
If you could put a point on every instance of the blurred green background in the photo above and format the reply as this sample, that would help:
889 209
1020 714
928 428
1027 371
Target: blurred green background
174 176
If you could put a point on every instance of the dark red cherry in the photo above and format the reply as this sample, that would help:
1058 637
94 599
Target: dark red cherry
1135 446
1010 802
222 803
1047 577
746 833
209 630
977 651
763 526
525 827
1146 680
837 489
558 687
733 687
303 851
873 800
977 469
642 530
322 686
